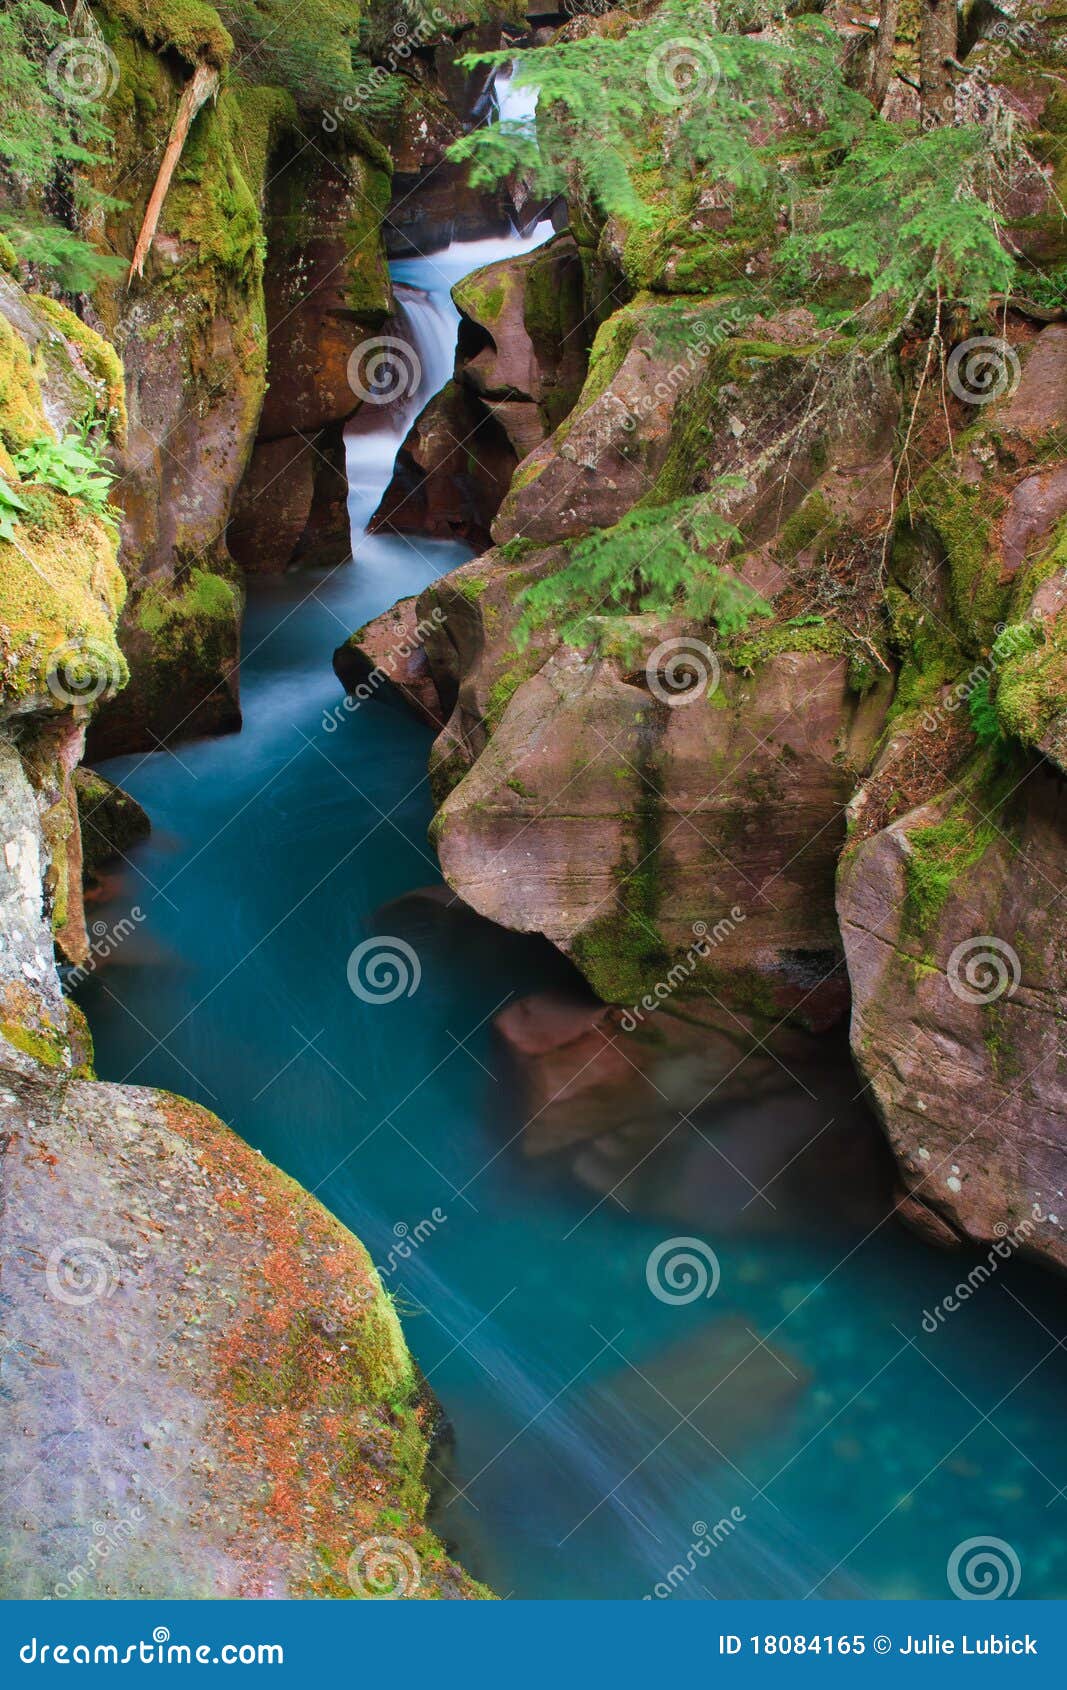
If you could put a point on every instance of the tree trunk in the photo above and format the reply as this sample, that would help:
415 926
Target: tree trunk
200 87
882 64
937 48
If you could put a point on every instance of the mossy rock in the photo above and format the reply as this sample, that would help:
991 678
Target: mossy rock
111 821
190 28
22 418
61 591
99 359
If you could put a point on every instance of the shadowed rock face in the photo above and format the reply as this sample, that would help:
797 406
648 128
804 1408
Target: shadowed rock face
957 1017
614 824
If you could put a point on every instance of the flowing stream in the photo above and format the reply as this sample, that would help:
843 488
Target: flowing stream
840 1448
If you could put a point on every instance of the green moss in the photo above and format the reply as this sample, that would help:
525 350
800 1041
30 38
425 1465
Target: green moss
194 612
962 515
622 952
1031 687
812 523
45 1047
60 584
190 28
827 637
518 549
265 116
482 294
22 418
100 359
931 655
939 855
9 258
503 689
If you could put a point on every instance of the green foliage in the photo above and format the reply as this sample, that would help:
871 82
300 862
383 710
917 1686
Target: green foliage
1048 288
983 714
680 87
46 143
632 117
74 465
76 266
654 560
911 214
9 502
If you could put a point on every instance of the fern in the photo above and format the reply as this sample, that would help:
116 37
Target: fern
46 145
73 465
653 561
608 104
910 214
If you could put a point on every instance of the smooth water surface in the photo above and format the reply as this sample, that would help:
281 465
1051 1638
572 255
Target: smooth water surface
599 1433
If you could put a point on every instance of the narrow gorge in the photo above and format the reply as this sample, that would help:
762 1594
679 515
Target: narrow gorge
533 611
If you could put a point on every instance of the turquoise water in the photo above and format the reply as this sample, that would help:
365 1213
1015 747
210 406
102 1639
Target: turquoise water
854 1449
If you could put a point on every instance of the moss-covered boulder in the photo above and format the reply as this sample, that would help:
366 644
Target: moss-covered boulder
110 820
260 1426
